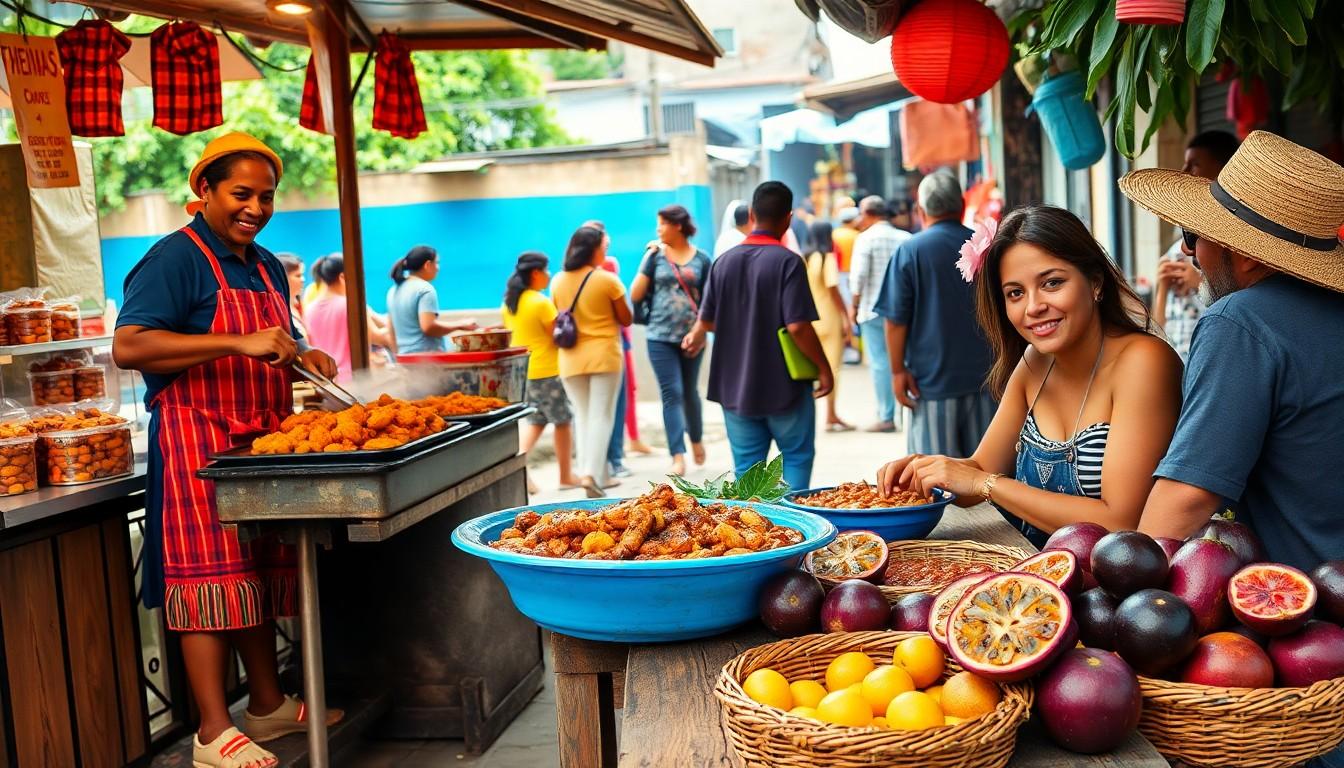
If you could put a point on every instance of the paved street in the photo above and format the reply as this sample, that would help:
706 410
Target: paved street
531 741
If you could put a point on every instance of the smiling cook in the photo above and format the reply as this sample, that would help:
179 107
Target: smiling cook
206 320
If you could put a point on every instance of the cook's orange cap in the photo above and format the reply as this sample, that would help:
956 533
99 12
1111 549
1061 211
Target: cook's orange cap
228 144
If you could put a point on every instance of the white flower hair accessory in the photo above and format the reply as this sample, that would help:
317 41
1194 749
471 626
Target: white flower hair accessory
973 250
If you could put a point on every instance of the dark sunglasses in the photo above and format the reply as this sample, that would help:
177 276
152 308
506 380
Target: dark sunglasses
1190 239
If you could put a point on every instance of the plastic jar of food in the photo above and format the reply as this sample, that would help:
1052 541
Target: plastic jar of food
28 322
90 383
52 387
64 321
85 455
18 464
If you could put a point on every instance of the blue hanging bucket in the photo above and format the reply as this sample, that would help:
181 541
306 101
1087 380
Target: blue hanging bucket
1069 121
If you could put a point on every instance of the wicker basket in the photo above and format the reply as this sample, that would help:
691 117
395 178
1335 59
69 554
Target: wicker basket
996 556
1242 727
765 737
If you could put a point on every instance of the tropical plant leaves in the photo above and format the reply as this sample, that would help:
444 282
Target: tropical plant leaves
1103 48
1203 23
761 482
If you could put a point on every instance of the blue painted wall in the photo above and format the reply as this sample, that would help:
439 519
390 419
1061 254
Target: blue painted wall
478 240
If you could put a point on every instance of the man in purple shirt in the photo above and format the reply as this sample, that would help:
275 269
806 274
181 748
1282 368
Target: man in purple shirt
755 289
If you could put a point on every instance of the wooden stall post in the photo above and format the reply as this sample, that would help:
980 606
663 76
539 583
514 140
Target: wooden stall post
329 38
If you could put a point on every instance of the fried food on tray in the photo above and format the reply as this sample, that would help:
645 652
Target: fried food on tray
660 525
861 496
461 404
384 423
84 418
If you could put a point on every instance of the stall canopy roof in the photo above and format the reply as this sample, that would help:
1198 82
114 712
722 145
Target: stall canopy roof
846 99
666 26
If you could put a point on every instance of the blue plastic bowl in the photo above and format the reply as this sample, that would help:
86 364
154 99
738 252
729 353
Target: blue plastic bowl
639 601
891 523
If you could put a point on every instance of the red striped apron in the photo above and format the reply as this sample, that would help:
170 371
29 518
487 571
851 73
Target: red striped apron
212 580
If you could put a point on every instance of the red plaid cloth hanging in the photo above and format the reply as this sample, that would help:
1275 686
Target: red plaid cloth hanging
310 109
185 73
90 52
396 94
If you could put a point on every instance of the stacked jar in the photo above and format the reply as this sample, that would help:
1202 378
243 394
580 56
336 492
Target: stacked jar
28 321
65 320
53 379
84 446
18 459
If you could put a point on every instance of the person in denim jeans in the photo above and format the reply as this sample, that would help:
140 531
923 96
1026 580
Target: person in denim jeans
873 249
757 288
674 274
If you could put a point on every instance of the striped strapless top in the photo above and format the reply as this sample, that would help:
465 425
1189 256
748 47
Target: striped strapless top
1090 445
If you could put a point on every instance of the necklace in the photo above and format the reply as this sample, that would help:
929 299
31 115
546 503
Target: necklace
1070 452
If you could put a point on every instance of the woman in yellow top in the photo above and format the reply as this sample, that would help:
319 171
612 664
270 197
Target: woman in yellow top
823 277
531 317
591 369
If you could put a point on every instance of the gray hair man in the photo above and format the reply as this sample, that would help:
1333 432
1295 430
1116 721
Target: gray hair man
873 249
938 357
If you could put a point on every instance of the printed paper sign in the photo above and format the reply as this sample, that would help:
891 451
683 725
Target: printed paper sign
32 68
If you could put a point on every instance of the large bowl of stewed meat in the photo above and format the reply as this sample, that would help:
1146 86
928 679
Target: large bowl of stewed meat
655 568
860 506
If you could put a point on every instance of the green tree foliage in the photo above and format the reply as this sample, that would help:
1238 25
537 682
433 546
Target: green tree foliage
568 64
474 101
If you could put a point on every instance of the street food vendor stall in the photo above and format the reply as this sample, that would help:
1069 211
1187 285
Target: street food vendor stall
456 460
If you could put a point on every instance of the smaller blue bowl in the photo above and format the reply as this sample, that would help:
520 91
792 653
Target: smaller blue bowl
891 523
639 601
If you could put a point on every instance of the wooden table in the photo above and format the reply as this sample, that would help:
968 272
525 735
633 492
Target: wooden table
672 718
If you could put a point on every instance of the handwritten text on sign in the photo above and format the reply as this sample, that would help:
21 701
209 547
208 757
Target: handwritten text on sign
33 69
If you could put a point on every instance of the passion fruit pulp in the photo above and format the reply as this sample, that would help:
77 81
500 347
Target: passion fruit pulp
1058 565
944 602
1009 626
851 555
1271 598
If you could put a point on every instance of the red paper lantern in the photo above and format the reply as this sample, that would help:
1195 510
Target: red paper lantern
949 50
1165 12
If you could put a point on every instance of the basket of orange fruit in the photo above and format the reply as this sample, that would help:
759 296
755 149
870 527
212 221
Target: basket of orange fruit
860 699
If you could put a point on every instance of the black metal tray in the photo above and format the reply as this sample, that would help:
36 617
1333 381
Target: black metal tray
241 456
489 416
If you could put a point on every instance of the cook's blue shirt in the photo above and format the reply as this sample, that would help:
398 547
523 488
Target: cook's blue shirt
173 288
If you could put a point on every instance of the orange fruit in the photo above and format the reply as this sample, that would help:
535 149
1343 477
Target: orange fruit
921 658
848 669
884 684
845 707
966 695
809 712
807 693
936 691
914 711
768 687
950 720
879 722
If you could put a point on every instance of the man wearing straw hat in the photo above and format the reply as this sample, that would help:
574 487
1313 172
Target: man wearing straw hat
1264 387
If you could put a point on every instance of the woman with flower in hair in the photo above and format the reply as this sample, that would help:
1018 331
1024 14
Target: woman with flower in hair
1088 395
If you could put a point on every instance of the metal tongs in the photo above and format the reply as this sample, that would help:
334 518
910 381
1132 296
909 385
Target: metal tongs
327 386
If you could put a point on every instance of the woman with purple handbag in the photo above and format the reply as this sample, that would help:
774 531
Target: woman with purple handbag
591 311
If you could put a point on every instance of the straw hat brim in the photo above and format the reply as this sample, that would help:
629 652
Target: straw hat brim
1184 200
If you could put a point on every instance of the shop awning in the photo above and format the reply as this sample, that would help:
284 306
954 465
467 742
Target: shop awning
665 26
871 128
846 99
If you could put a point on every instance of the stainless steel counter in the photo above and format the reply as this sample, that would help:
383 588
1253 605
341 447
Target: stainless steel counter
49 501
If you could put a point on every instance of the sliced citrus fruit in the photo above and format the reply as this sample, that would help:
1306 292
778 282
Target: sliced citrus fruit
1008 627
1057 565
945 601
1271 599
851 555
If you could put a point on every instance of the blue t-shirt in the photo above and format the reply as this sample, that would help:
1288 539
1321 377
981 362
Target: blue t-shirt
405 302
1263 414
923 290
754 290
173 288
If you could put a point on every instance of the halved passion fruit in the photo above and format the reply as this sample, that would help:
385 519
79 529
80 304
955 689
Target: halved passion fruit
1271 599
851 555
1009 626
945 601
1057 565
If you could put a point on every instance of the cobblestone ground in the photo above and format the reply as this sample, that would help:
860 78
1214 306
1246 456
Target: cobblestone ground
530 742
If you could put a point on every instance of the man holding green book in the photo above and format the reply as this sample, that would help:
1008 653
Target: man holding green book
766 354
